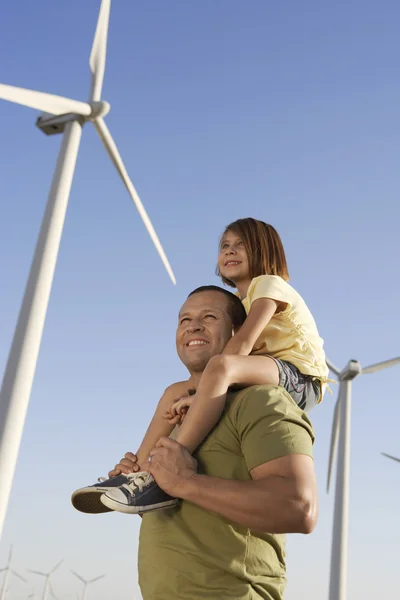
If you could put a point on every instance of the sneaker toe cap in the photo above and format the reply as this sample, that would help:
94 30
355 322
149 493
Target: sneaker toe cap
117 495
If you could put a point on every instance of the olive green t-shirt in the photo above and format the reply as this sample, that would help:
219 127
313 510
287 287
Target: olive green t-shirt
189 553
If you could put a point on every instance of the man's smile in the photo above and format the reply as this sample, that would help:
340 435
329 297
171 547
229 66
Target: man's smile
196 342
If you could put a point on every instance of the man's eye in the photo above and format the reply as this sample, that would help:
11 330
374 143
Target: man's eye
210 316
183 320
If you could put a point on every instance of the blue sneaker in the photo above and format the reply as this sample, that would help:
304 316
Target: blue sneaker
139 494
87 499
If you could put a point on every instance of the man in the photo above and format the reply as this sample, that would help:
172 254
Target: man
251 481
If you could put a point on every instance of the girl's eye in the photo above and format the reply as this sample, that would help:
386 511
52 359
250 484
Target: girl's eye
225 245
240 243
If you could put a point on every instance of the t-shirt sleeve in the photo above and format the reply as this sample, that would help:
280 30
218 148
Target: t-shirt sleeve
271 286
270 425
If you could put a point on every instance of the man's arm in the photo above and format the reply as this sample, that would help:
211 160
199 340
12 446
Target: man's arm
280 498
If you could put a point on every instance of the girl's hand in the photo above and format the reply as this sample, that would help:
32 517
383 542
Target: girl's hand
127 464
180 407
178 410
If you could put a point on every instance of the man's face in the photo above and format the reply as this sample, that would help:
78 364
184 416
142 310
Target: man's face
204 329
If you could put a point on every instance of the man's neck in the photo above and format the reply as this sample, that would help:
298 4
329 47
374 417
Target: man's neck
194 380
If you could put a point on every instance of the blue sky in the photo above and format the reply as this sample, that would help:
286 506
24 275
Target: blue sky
287 112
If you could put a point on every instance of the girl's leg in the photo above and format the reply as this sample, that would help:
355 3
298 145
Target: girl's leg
160 427
221 372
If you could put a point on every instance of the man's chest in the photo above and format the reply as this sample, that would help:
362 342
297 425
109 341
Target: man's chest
220 455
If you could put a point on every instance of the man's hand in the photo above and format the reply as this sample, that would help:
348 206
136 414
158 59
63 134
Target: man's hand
127 464
171 466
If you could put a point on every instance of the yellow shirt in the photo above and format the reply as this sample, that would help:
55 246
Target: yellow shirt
291 334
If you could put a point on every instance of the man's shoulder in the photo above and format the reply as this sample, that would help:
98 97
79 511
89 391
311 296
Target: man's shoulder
264 401
266 393
177 388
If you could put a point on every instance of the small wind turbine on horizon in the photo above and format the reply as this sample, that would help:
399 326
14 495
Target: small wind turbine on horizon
7 570
47 584
62 115
86 582
341 436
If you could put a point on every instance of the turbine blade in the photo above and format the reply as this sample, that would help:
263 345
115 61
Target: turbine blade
390 456
97 59
381 365
334 441
18 575
96 578
79 577
56 567
112 150
332 367
37 572
55 105
10 556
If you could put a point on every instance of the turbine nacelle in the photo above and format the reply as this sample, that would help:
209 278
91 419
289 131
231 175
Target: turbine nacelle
351 371
52 124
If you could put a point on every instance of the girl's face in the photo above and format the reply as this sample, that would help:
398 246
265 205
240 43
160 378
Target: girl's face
233 262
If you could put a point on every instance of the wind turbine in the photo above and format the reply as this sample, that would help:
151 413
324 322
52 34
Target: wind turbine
7 570
341 439
47 584
86 582
62 115
390 456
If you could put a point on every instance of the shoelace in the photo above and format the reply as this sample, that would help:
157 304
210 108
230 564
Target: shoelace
137 481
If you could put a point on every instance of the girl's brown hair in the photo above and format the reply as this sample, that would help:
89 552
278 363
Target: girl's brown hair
263 246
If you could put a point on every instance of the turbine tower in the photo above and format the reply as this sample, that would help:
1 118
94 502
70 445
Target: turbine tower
47 583
7 570
86 582
341 439
62 115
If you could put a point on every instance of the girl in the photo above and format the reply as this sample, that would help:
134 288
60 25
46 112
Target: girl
278 344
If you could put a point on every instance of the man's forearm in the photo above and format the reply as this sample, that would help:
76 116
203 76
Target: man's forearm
274 504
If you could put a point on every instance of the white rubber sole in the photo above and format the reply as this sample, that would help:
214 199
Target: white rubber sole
135 510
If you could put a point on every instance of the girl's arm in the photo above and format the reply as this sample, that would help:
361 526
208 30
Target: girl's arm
261 312
159 427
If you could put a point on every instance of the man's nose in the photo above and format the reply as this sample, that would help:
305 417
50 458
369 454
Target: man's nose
194 325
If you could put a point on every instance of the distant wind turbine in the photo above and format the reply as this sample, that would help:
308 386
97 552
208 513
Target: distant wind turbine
7 570
86 582
66 116
47 584
341 439
390 456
